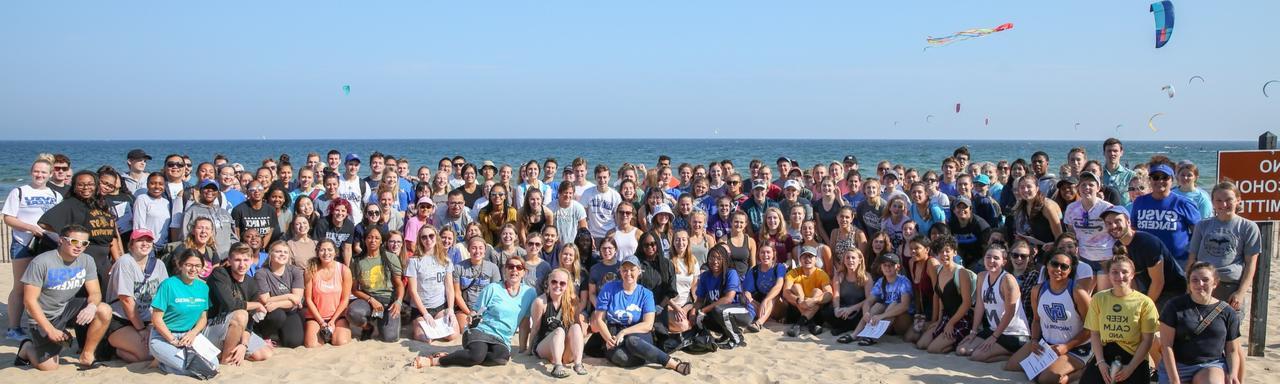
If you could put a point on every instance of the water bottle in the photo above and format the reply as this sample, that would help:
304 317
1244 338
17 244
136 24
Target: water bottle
1115 369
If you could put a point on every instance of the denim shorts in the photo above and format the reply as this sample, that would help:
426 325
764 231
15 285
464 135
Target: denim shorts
1187 372
19 251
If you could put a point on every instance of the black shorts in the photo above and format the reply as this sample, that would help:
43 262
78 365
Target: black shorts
44 348
1010 343
117 323
413 311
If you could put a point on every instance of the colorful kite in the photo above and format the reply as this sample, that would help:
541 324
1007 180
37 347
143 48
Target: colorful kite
1163 11
1151 122
1168 89
957 107
967 34
346 89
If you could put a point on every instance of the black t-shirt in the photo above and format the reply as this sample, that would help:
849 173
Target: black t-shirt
263 219
226 294
100 222
1184 315
1146 250
869 218
659 276
469 198
970 237
64 190
344 234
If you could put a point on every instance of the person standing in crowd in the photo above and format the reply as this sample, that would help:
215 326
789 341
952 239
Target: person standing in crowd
207 206
151 209
134 179
1115 174
351 188
1167 215
1084 218
1231 244
86 209
23 208
49 289
1187 175
600 203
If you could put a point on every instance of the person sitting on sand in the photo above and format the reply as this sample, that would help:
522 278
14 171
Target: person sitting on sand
720 299
998 313
1059 304
850 292
558 334
232 294
807 290
179 314
328 285
763 287
952 299
49 287
890 299
134 280
1122 324
430 286
624 319
501 307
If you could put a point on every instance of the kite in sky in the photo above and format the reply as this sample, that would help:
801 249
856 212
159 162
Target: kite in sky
957 107
1168 89
1264 87
1196 77
1151 122
967 34
928 119
346 89
1163 11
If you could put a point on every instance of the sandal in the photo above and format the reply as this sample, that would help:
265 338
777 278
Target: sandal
867 341
845 339
580 369
18 361
559 372
430 361
683 367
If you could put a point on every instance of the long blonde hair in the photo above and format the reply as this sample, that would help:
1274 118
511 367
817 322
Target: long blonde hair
686 257
575 270
438 251
860 276
568 300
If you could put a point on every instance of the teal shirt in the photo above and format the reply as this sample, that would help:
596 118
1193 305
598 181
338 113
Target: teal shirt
181 303
501 311
1118 179
1200 198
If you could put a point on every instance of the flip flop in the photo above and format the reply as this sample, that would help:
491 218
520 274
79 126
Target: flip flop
866 341
18 361
845 339
580 369
683 367
559 372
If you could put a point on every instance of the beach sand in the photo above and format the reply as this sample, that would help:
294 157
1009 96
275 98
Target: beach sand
770 357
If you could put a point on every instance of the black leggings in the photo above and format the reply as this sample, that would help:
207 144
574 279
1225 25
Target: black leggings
283 324
837 324
1111 352
477 353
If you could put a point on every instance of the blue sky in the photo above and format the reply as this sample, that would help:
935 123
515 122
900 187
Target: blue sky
654 69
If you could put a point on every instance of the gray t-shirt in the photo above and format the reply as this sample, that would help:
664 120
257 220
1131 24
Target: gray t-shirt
430 275
566 220
129 278
273 285
1225 244
58 281
472 279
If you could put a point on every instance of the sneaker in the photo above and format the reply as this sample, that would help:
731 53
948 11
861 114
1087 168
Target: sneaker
793 330
16 334
752 328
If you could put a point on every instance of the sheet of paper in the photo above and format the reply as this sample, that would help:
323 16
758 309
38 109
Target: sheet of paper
1037 362
203 347
437 328
876 330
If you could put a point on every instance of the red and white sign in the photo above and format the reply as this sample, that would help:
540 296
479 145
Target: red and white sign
1257 175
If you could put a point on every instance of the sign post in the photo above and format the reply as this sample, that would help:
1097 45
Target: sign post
1256 175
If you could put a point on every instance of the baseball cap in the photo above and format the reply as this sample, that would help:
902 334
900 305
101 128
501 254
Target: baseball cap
628 259
1161 169
892 173
138 154
889 258
1088 175
352 157
783 159
1069 180
759 184
808 250
982 179
206 183
791 184
141 233
1115 210
962 200
851 159
427 200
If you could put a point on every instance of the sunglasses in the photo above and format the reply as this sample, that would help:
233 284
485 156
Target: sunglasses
650 244
1159 177
1019 256
174 165
533 244
62 169
373 213
557 283
1059 266
77 242
626 213
515 267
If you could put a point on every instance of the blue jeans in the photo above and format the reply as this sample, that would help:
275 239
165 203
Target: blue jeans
1188 372
636 350
171 358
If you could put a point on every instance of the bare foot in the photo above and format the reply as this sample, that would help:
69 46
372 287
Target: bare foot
428 361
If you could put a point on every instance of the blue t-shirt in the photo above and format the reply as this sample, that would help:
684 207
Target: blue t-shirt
894 293
501 311
234 197
181 303
759 283
621 308
1170 219
922 225
712 287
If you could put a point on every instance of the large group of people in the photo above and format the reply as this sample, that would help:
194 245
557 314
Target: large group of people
1126 274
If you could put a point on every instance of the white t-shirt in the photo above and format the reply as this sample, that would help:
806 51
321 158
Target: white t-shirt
352 191
578 190
152 213
33 204
430 276
1091 232
567 221
600 207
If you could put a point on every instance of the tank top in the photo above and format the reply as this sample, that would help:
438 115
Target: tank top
536 226
699 248
550 320
949 294
846 242
993 303
851 293
627 243
1037 227
739 256
1059 320
684 282
921 288
327 293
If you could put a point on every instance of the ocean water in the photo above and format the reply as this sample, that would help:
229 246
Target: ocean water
16 156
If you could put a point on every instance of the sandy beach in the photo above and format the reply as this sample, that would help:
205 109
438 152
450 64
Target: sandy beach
770 357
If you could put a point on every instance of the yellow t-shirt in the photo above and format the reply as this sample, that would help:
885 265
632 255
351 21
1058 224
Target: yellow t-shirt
1122 320
815 280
